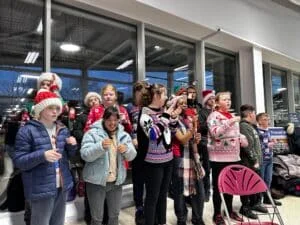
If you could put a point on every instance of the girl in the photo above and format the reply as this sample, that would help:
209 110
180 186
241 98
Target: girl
104 148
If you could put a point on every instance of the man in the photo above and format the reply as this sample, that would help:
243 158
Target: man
208 101
251 156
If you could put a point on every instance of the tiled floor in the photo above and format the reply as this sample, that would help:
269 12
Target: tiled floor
290 210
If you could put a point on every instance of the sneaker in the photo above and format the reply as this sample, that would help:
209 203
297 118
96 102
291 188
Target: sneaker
236 217
259 208
268 202
248 213
139 217
218 220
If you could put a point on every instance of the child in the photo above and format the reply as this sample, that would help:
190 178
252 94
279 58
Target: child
104 148
266 169
41 153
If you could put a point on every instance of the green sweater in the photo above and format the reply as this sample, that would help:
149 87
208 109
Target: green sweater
251 154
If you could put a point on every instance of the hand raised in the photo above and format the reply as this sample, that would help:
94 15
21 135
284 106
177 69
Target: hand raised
71 140
52 155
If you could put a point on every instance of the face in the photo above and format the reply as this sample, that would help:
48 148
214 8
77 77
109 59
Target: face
45 84
50 113
109 97
181 103
93 101
211 102
111 123
252 117
191 93
224 102
264 121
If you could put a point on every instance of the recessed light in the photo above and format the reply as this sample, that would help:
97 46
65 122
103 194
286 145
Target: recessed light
69 47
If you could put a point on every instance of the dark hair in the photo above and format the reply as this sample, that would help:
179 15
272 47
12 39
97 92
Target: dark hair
246 109
149 92
111 111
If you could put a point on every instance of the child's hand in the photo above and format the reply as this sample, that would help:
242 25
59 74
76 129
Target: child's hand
197 138
71 140
122 148
52 155
106 143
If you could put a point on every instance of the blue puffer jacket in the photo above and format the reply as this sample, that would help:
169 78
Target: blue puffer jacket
39 175
97 159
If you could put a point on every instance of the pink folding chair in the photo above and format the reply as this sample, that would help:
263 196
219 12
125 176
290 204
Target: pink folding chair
240 180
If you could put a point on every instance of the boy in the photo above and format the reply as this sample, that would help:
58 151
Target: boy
266 169
41 151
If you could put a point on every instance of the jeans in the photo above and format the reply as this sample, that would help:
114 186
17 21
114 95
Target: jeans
138 181
266 171
158 177
216 168
197 200
49 211
96 196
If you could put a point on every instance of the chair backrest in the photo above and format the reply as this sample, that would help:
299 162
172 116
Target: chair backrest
240 180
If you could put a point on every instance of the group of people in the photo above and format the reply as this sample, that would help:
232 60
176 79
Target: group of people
172 142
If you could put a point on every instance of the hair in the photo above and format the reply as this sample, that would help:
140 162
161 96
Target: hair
218 96
191 87
261 115
109 86
111 111
246 109
139 86
149 92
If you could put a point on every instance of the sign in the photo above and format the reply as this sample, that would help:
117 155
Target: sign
280 140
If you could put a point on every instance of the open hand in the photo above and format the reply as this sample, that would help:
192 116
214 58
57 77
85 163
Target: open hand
52 155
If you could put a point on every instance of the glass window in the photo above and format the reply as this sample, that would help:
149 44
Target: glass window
21 51
280 97
220 72
296 79
168 58
71 89
101 48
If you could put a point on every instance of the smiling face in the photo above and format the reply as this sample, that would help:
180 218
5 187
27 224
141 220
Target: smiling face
111 123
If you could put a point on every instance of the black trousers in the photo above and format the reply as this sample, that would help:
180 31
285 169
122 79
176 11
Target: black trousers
138 181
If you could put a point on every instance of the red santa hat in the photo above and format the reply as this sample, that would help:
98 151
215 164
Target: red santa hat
45 98
50 77
206 94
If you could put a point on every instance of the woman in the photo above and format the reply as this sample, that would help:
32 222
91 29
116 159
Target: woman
154 139
104 148
224 140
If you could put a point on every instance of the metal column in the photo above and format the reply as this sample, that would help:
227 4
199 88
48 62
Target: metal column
47 36
140 56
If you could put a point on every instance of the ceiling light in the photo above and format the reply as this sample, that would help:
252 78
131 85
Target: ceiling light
181 67
39 28
69 47
157 47
281 89
31 57
125 64
29 76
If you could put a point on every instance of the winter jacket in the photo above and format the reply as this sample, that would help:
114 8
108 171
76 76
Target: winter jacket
96 168
39 175
96 113
224 138
251 154
265 143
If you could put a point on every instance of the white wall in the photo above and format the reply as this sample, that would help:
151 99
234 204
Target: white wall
261 21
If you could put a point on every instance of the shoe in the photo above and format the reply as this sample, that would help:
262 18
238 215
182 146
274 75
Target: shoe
268 202
218 220
248 213
236 217
259 208
139 217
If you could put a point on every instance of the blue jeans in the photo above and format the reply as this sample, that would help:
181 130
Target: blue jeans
49 211
266 171
96 196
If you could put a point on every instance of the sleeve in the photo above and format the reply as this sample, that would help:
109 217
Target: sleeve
248 151
203 123
91 147
24 158
154 130
127 124
216 128
70 149
130 153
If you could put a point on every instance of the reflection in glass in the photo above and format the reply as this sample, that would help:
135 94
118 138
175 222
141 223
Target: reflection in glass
296 79
280 98
168 58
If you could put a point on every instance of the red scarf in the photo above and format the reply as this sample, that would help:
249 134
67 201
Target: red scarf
228 115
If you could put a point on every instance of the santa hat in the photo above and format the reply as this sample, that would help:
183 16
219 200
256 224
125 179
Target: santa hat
89 95
206 94
45 98
50 77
